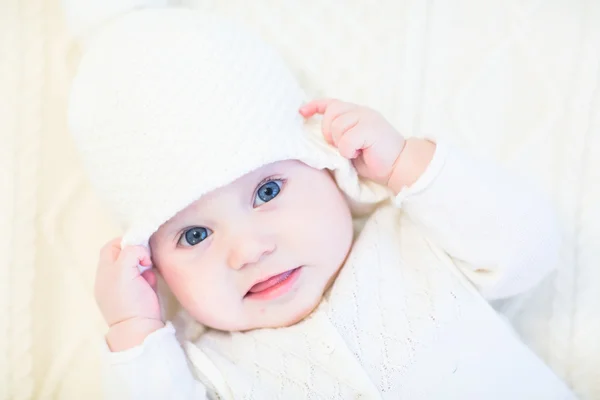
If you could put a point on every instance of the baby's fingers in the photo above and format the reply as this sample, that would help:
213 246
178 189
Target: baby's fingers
352 142
336 110
150 277
110 251
331 110
315 107
342 124
131 257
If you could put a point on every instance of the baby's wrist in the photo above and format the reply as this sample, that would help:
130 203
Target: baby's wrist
131 333
411 163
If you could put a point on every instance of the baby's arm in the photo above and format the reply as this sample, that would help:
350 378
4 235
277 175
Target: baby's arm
503 234
156 369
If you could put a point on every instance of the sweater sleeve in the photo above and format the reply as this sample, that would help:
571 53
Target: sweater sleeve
503 234
156 369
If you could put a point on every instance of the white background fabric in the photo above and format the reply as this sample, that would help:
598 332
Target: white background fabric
517 80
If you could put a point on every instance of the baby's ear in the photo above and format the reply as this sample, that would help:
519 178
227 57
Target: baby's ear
85 17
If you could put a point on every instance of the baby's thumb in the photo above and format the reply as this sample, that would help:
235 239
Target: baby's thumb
130 258
85 17
150 277
361 166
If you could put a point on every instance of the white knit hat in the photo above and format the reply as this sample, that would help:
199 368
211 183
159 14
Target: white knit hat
169 104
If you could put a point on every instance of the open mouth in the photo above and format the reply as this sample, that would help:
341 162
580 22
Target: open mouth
274 286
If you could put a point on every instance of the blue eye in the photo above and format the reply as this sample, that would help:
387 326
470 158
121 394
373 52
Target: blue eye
267 192
193 236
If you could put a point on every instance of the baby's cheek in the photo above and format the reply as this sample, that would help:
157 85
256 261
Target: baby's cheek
181 284
212 301
204 309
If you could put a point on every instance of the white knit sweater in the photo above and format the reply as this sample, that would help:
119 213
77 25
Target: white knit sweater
400 321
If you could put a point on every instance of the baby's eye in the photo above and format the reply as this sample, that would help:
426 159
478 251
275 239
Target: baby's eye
193 236
267 192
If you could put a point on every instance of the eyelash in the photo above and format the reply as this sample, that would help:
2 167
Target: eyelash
252 200
260 184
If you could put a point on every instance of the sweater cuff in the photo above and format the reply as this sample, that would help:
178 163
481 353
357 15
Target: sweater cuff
426 179
156 338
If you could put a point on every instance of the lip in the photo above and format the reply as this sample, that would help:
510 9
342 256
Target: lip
278 289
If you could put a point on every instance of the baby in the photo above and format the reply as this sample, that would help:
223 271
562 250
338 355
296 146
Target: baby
194 132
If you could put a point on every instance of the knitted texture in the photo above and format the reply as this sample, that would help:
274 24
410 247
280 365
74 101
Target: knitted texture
397 323
509 79
21 72
514 81
169 104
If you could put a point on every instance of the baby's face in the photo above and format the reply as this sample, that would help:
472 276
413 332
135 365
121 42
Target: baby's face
258 253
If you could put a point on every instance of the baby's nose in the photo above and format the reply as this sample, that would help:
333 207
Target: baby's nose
249 250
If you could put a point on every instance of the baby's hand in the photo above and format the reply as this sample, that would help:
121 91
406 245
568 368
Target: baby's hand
127 298
360 134
377 150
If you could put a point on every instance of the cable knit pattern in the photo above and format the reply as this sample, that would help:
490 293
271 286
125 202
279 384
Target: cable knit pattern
512 80
8 117
23 71
563 335
586 325
8 125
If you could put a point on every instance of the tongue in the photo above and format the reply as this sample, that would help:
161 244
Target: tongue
259 287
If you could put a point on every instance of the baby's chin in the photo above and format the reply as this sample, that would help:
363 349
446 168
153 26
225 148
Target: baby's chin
294 318
283 319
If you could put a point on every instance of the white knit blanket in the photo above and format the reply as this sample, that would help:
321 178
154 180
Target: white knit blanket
515 80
